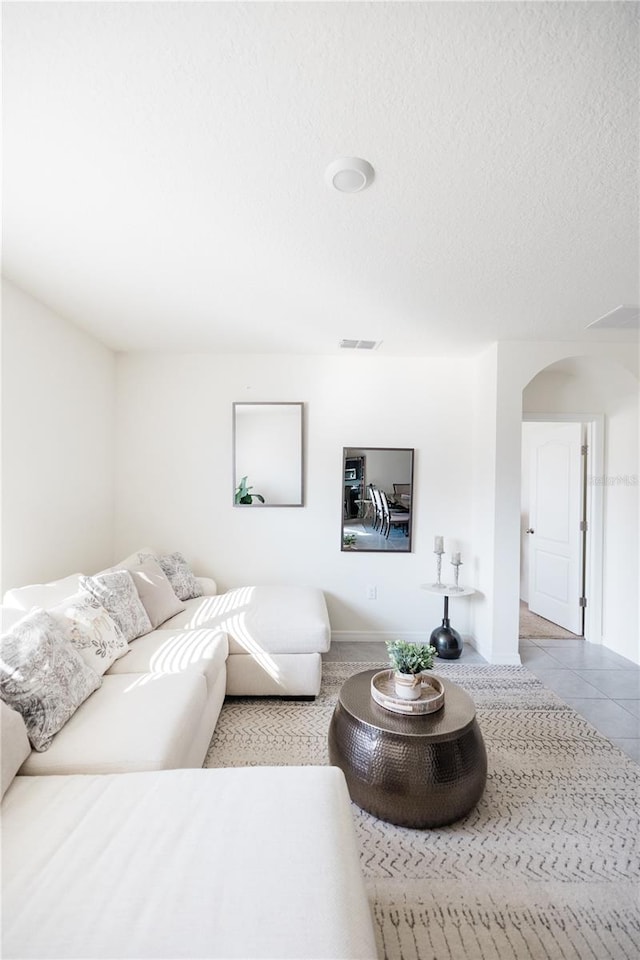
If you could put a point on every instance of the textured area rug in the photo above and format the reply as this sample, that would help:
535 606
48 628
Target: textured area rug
545 868
533 627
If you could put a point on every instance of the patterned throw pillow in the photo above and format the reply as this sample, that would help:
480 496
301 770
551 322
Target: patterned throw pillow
116 592
42 676
179 574
91 631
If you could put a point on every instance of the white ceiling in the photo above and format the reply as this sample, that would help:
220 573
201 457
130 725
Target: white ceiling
164 171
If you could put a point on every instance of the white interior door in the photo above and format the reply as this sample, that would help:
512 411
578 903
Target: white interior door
554 535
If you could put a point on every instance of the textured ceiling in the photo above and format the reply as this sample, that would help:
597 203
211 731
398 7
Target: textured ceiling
164 171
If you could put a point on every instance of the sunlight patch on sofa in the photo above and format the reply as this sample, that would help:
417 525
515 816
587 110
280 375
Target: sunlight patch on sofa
212 608
185 649
237 627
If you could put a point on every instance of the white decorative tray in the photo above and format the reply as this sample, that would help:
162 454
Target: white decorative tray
383 691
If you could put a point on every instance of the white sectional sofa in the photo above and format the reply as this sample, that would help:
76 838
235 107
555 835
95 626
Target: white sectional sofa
158 705
113 847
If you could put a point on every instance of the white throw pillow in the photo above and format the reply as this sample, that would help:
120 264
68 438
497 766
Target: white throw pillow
42 676
116 592
15 744
91 631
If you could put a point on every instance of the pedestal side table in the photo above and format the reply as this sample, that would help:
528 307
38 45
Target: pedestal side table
444 638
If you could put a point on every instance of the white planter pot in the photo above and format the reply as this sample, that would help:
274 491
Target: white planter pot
408 685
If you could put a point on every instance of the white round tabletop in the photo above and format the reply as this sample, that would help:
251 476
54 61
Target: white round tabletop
447 590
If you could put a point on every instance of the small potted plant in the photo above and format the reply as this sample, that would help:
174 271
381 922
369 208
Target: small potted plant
244 495
349 540
408 661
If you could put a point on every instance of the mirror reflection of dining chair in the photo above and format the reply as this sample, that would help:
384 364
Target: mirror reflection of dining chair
378 512
391 517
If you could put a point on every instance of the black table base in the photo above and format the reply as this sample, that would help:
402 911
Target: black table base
447 641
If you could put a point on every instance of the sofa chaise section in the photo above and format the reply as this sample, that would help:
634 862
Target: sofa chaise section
243 863
276 636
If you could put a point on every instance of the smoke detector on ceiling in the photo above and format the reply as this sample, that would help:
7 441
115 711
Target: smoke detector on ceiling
622 318
349 174
360 344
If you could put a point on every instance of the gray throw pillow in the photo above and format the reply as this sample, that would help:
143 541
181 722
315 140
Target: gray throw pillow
42 676
155 591
179 574
116 592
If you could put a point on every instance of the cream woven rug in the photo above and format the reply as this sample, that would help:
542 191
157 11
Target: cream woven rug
545 868
533 627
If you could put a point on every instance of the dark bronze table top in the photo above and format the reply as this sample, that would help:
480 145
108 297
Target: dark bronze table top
457 714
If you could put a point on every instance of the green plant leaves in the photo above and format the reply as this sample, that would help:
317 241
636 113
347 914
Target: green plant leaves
409 657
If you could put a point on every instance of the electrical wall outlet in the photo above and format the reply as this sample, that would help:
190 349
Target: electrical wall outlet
372 593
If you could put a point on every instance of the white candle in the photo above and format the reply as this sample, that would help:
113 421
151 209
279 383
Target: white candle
438 545
455 558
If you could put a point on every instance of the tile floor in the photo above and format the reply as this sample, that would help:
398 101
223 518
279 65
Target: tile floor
599 684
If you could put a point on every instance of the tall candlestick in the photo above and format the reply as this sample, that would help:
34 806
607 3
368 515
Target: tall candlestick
439 584
456 563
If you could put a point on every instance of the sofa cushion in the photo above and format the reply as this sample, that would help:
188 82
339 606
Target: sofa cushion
134 722
42 676
42 594
275 619
91 631
174 651
179 573
116 592
14 743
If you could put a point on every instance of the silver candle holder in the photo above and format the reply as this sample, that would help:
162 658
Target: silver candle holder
456 563
438 550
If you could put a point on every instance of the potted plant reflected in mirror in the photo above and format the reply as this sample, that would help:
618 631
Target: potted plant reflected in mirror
409 660
244 495
349 541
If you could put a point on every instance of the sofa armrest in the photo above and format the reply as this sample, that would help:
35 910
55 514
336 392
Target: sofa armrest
209 586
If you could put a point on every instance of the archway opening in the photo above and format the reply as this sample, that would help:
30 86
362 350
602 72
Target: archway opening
601 395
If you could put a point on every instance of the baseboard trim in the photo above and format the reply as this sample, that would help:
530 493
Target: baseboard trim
369 636
373 636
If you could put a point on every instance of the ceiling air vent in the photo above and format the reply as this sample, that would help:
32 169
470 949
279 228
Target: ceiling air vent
622 318
360 344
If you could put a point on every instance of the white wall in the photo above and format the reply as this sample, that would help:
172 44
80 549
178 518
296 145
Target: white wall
598 386
174 482
484 414
517 364
57 445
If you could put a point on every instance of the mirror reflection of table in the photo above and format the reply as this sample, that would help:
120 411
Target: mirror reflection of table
444 638
365 508
400 502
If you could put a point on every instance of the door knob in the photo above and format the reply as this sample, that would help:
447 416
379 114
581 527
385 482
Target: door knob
529 530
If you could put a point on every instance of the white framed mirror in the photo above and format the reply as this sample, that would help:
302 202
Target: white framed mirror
268 454
377 499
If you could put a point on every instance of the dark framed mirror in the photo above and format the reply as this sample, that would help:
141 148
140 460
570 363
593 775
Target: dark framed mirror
268 454
377 499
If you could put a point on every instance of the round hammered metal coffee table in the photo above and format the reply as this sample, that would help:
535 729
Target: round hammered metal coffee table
414 771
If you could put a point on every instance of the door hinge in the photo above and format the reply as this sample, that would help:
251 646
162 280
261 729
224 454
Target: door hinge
584 526
582 601
584 449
